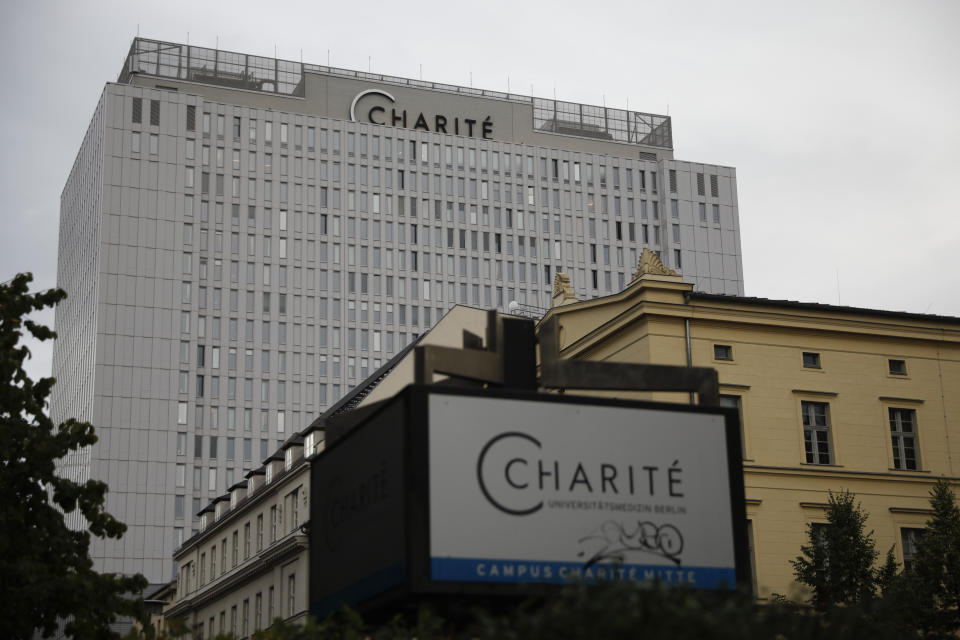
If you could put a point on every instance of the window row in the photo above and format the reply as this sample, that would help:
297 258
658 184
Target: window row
362 144
811 360
244 630
364 228
233 419
817 435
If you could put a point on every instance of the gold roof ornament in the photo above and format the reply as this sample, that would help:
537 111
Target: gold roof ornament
650 264
562 290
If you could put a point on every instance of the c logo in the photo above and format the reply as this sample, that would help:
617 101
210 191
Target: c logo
507 474
356 99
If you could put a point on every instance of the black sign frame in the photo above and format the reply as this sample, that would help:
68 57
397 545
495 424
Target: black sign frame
409 412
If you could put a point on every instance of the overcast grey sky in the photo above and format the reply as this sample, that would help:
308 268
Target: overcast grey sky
841 118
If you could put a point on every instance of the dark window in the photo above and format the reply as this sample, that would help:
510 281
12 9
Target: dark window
137 113
816 432
701 190
191 118
733 402
909 539
903 434
722 352
811 360
673 180
820 539
154 112
714 187
898 367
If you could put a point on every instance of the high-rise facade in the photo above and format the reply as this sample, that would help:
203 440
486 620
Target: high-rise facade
243 239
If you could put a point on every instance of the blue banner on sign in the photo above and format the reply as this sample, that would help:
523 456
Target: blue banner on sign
527 572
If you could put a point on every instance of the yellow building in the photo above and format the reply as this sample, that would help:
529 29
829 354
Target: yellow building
832 398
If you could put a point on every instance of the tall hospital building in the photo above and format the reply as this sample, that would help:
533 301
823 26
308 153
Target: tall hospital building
243 239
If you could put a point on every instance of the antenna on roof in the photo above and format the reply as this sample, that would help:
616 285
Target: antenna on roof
508 84
603 99
471 78
328 57
421 71
531 89
369 64
188 38
838 286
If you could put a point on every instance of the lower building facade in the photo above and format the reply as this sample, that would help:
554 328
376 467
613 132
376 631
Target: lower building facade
831 399
247 566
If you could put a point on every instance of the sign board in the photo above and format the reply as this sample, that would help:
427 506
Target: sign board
528 491
504 493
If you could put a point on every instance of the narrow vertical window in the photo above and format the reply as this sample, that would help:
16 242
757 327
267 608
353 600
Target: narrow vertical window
734 402
903 436
909 537
816 432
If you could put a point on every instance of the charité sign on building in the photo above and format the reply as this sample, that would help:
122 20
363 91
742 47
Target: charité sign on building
380 107
456 491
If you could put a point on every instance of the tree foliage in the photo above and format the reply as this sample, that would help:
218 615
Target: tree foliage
923 602
932 587
837 563
46 575
613 611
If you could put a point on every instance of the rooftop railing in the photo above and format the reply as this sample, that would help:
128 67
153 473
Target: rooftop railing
285 78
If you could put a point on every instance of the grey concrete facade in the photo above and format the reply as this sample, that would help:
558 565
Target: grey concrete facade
236 260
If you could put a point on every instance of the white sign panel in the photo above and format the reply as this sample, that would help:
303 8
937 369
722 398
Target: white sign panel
526 491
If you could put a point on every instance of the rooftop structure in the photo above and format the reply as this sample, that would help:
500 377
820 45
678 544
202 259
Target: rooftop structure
286 77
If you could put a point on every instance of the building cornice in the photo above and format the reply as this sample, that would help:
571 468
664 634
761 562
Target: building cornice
264 561
827 472
801 318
